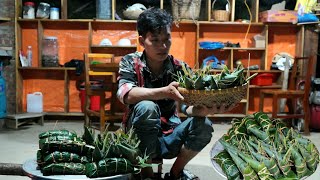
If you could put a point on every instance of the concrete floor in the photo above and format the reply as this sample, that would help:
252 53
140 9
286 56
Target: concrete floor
17 146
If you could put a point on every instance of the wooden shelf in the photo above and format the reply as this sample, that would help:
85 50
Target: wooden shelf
64 113
107 47
246 49
308 23
236 49
46 68
79 36
279 24
265 87
5 19
231 23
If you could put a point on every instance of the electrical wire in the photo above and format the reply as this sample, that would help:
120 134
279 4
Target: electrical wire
250 15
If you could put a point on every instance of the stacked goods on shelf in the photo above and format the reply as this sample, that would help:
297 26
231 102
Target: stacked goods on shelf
257 147
202 88
111 153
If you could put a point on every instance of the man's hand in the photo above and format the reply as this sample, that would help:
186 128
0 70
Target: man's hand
171 92
202 111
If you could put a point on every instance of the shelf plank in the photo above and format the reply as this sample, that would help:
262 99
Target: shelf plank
236 49
78 20
47 68
246 49
231 23
105 47
265 87
307 23
279 24
64 114
5 19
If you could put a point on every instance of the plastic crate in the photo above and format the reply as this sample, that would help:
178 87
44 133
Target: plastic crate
263 79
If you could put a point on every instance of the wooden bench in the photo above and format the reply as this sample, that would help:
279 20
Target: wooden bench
15 120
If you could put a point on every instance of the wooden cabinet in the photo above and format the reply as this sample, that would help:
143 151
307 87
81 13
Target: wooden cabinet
60 85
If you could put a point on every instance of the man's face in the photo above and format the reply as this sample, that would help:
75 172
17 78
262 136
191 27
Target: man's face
157 45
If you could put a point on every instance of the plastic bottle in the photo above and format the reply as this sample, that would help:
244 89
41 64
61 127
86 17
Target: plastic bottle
29 56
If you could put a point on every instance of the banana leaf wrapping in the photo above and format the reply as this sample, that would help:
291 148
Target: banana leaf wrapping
57 138
57 133
264 148
64 169
80 148
125 151
40 158
228 166
202 88
57 157
109 167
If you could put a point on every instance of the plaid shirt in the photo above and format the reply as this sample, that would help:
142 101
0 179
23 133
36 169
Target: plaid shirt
128 78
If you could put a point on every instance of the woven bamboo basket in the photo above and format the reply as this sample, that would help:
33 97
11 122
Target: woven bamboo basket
214 97
132 14
220 15
186 9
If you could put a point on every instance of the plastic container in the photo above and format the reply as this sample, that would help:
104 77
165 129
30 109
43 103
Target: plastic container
50 52
103 9
263 79
3 99
35 102
43 11
28 10
95 101
260 41
315 117
29 56
54 13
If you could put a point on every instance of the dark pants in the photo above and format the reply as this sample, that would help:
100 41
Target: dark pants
194 133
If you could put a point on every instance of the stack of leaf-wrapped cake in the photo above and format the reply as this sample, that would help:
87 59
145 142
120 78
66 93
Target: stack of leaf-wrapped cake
110 153
257 147
201 87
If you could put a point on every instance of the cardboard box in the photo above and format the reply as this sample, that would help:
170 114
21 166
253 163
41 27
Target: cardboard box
279 16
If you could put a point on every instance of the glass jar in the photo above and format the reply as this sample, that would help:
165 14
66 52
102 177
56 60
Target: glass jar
28 10
43 11
50 52
54 13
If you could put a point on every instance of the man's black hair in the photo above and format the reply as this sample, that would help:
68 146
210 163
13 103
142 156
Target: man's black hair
153 20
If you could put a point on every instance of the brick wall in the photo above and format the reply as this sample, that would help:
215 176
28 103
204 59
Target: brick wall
7 39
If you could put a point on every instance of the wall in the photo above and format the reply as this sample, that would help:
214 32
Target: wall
7 39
